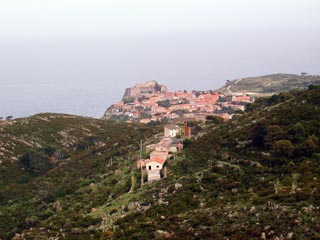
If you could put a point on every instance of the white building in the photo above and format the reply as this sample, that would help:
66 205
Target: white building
171 131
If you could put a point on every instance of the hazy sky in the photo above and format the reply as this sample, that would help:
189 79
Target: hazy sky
77 56
62 18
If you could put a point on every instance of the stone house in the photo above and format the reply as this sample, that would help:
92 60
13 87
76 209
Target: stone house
154 164
153 167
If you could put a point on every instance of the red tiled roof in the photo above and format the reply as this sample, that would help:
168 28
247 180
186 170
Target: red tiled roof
156 159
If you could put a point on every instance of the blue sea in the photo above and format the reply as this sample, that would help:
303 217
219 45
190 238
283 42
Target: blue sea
84 76
21 100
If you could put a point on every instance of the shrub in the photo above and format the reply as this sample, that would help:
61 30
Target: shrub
35 162
259 132
282 148
308 147
31 221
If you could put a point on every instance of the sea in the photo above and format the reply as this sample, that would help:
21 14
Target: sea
22 100
84 76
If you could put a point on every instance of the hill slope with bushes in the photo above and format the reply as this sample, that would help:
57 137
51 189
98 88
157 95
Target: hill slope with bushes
254 177
271 84
55 168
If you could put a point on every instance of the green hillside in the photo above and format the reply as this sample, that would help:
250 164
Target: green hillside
271 84
254 177
58 167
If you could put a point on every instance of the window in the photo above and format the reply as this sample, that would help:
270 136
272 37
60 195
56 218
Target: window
149 167
157 166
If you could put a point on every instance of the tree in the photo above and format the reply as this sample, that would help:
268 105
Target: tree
36 162
31 221
309 146
165 103
313 87
128 100
282 148
259 131
214 119
238 111
49 151
297 132
274 133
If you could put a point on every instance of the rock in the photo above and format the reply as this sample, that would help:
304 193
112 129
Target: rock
177 186
16 237
91 228
271 234
160 202
252 210
263 236
93 210
57 206
163 191
234 190
117 172
290 235
75 230
131 206
159 234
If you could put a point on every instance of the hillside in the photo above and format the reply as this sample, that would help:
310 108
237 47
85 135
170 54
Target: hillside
253 177
52 166
270 84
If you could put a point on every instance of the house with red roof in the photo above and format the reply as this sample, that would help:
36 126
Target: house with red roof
155 163
153 167
159 154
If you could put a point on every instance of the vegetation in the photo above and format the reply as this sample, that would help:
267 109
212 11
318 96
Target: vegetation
253 177
271 84
165 103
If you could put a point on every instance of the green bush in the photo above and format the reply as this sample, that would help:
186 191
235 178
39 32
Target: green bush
36 162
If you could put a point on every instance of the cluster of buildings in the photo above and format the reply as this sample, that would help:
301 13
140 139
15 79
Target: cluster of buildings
151 101
167 147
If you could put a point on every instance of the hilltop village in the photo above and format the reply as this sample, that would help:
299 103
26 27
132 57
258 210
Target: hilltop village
150 101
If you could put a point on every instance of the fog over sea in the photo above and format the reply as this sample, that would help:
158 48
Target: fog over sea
85 75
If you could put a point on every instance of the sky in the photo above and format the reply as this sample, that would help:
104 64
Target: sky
77 56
